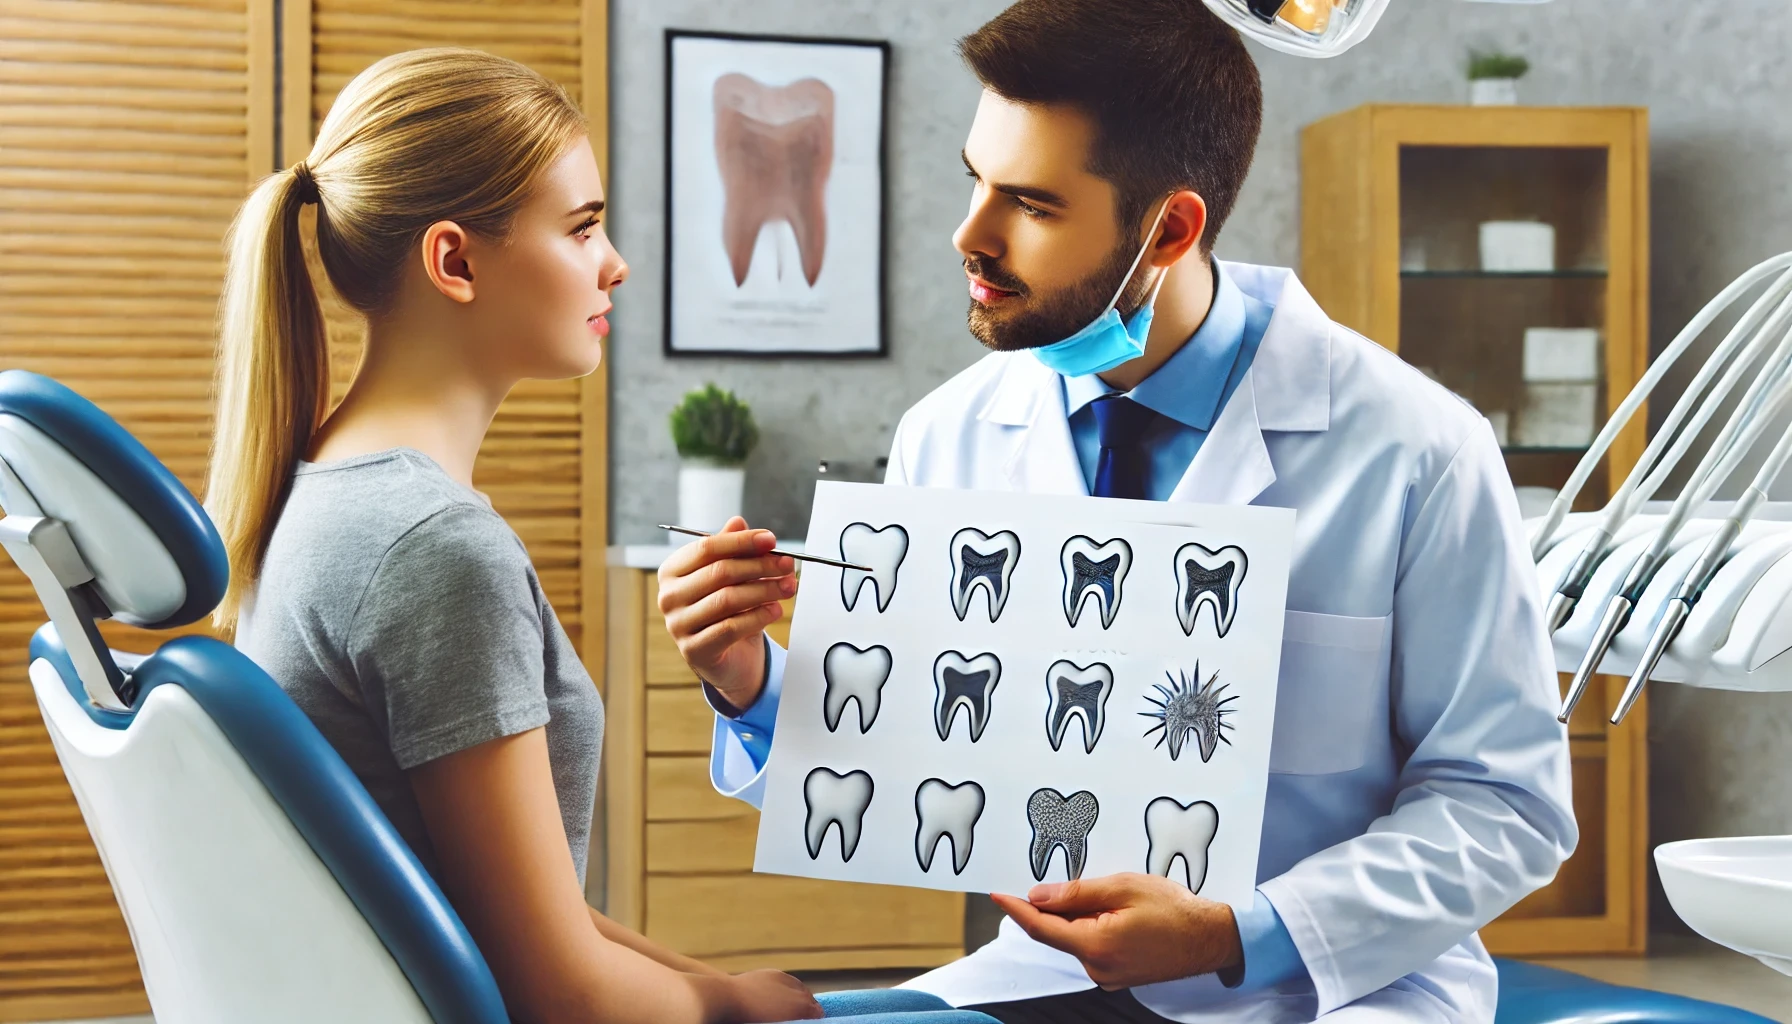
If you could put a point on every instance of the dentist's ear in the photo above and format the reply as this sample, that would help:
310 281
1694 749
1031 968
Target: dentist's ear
1185 218
447 260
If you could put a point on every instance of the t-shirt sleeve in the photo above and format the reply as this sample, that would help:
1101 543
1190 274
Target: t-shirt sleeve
447 641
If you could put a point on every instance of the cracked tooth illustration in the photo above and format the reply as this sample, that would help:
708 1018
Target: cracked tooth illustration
982 560
882 549
775 150
835 800
1189 709
1061 822
853 674
1077 692
945 811
961 682
1208 579
1094 570
1173 830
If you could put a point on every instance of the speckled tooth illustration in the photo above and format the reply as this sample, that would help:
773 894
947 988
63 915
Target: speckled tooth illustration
1061 822
945 811
1208 579
1174 829
834 800
1080 692
880 549
1094 570
982 561
853 674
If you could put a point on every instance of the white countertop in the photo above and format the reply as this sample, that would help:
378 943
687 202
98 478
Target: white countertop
649 556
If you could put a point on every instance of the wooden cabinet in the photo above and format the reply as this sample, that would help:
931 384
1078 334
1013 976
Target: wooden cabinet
678 857
1393 204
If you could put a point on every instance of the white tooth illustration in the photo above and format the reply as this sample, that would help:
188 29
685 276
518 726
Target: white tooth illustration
961 682
1094 569
1077 692
1190 708
1208 579
943 810
882 550
853 674
836 800
982 560
1175 830
1060 821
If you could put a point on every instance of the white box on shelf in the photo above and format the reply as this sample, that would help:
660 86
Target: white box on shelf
1517 246
1556 415
1561 354
1501 422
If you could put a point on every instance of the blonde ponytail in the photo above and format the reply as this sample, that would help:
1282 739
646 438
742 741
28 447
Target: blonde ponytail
273 375
419 137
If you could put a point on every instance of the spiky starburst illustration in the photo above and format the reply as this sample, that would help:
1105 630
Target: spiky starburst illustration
1191 708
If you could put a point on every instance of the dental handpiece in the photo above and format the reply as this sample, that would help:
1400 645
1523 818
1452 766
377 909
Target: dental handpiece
1732 445
1654 467
1679 607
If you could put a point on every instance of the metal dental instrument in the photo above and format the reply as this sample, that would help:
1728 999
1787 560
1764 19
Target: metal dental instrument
1653 467
787 554
1767 396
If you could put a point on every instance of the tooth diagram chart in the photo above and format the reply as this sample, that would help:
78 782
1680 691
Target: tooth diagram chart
1028 688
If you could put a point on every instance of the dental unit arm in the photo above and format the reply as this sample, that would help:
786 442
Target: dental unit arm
1695 592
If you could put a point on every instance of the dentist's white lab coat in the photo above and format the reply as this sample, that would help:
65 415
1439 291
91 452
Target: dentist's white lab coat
1419 780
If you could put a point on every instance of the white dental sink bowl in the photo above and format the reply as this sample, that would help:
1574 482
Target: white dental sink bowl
1735 892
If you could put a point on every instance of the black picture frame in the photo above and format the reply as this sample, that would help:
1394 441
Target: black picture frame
670 299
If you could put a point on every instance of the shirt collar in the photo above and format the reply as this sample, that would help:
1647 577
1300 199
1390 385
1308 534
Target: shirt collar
1187 388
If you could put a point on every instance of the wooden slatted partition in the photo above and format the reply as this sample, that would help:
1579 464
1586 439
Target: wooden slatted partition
128 134
543 460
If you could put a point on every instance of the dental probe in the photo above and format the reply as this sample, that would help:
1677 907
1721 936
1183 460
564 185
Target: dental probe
1680 606
775 551
1653 467
1727 453
1558 510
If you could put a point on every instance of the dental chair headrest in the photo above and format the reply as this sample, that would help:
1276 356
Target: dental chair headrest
156 558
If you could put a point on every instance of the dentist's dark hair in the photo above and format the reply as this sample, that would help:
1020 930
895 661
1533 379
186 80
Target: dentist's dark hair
1173 93
419 137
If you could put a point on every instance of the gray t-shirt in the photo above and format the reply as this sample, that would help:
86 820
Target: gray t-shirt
402 614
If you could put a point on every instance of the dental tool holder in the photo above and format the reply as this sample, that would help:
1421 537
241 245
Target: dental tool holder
1734 638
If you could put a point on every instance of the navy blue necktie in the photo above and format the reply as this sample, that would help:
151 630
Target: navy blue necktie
1120 423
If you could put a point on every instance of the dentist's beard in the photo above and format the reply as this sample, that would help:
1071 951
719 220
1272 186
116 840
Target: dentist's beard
1048 319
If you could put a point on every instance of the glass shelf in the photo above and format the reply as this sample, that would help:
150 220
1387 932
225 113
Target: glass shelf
1576 273
1519 449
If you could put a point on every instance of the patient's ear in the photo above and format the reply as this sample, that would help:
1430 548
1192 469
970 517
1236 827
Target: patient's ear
448 260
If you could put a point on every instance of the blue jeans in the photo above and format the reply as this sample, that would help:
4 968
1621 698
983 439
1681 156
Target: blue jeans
895 1006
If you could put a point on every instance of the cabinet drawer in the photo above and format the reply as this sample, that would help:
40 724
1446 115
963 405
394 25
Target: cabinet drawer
719 915
702 847
679 721
678 789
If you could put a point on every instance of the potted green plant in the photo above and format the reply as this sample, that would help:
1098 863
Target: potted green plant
714 433
1493 78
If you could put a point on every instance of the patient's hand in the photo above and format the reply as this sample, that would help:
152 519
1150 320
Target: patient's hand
718 594
772 996
1129 929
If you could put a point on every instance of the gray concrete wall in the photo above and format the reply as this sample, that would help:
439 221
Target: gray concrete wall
1715 77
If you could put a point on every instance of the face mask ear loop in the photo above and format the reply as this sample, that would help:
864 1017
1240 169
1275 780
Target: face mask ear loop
1136 260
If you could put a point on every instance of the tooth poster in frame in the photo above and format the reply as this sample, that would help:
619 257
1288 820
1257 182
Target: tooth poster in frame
775 194
1027 703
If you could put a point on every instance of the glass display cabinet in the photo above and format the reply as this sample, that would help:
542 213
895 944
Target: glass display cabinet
1503 251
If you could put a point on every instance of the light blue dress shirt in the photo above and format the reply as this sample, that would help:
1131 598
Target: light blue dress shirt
1188 393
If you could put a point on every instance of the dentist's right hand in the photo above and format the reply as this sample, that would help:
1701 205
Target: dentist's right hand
718 594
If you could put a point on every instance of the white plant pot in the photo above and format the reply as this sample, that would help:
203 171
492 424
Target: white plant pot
709 494
1493 92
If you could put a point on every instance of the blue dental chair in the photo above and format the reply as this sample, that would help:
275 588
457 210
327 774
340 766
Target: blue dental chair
259 880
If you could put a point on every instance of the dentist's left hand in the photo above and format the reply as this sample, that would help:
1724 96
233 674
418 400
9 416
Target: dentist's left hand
1129 929
718 594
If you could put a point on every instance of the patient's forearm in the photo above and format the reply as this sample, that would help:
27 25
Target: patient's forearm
650 949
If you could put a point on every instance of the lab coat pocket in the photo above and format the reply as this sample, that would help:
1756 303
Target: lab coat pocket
1331 699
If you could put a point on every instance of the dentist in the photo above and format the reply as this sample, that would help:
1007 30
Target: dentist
1419 782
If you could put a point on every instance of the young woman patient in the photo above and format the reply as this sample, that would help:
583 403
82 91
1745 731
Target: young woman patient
459 211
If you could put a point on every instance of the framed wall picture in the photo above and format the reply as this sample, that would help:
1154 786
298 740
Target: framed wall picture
774 195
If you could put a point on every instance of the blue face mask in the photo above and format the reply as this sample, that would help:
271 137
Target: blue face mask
1108 340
